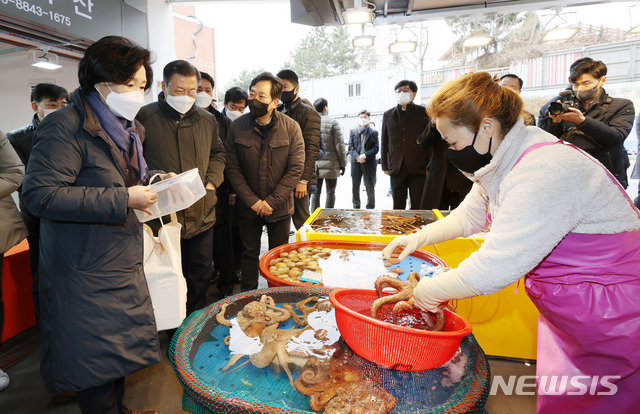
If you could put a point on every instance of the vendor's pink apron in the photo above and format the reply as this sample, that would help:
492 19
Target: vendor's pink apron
588 293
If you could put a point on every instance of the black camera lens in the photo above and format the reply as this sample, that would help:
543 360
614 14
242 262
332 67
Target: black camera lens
557 108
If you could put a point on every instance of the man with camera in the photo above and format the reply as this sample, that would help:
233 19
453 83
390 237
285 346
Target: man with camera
587 117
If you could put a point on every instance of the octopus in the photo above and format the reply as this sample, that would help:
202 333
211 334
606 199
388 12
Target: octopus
397 224
261 319
379 223
334 386
403 299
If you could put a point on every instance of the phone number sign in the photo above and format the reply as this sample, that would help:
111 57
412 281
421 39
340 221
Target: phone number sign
89 19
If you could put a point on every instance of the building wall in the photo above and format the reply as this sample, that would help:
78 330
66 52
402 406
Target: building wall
16 80
184 28
377 94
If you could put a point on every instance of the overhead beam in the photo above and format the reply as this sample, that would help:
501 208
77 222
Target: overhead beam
409 8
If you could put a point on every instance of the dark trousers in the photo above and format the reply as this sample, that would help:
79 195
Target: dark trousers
300 210
103 399
250 233
223 257
331 194
402 182
358 172
197 267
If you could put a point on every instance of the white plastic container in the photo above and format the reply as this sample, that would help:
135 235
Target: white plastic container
174 194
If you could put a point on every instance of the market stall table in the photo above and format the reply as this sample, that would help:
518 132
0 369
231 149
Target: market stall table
19 314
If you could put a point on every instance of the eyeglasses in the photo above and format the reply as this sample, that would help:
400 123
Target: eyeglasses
179 91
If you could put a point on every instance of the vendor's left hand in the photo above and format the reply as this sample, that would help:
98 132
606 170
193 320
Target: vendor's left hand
574 115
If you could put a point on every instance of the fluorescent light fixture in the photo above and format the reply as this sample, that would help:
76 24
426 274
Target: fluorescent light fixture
43 62
560 34
635 29
358 15
403 46
477 40
363 41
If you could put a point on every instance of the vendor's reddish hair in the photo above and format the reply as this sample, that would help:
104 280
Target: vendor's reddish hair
473 97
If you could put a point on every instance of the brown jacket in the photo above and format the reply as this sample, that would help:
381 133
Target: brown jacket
175 144
12 229
265 167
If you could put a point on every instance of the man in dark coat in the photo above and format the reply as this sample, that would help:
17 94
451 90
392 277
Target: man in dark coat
309 121
45 99
401 157
223 243
181 136
265 161
599 124
445 186
363 147
97 321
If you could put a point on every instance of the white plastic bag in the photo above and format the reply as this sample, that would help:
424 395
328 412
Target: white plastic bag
163 270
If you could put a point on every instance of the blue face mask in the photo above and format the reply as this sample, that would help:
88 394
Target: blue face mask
468 159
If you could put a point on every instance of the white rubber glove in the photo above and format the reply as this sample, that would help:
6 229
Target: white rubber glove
432 291
442 230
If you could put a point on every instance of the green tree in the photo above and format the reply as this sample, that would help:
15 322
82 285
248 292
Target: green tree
243 80
324 52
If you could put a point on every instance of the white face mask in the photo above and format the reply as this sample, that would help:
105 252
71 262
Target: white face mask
45 112
233 115
203 99
403 98
363 122
126 104
181 103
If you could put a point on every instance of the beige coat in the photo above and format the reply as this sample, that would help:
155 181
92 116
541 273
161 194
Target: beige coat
12 228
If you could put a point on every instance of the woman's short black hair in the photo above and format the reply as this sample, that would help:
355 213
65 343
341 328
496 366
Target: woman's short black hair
276 84
365 112
595 68
206 76
113 59
320 104
181 67
411 84
235 95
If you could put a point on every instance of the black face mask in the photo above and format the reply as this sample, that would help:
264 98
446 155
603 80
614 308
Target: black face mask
258 109
468 159
288 96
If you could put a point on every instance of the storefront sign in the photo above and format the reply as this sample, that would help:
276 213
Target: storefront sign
87 19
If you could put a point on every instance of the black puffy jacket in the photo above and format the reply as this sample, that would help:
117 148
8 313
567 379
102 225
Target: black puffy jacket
309 121
608 123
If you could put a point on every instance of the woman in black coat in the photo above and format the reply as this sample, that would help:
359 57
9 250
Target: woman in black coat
84 180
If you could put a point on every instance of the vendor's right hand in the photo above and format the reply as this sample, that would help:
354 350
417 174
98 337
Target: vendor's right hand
141 198
410 242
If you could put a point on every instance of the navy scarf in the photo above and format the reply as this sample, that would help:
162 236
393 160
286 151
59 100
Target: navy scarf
120 130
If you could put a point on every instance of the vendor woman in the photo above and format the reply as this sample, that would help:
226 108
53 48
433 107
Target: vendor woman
556 216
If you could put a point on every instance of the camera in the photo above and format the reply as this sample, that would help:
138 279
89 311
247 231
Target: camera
567 100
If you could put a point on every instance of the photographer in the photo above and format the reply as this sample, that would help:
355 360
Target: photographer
587 117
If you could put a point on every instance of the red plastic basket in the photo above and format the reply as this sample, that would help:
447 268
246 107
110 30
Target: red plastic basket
274 281
394 346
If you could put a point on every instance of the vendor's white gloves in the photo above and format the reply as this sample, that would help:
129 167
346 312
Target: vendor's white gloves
432 291
442 230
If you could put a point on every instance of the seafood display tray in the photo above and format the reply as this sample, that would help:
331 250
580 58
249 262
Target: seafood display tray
197 353
352 273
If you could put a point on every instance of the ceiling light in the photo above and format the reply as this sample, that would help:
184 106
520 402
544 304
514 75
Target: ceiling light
358 15
403 46
560 34
363 41
477 40
635 29
43 62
